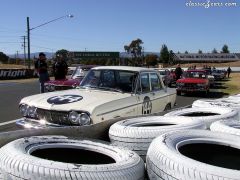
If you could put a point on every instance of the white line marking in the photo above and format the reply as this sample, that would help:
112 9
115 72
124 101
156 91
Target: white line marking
8 122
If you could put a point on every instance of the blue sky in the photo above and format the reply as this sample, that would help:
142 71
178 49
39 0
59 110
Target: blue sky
108 25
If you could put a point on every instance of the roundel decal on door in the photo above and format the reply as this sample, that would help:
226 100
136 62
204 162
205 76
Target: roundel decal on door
64 99
147 105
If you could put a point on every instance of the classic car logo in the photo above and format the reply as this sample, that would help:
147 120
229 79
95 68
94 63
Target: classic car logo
147 106
64 99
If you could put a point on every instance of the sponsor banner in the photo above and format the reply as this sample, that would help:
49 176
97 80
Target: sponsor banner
16 73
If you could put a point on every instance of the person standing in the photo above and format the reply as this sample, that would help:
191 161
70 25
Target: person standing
229 70
178 72
60 68
42 70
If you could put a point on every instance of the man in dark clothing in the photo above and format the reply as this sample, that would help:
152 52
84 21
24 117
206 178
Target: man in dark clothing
60 68
229 70
178 72
42 70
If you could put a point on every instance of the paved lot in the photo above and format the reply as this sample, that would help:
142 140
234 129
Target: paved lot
11 92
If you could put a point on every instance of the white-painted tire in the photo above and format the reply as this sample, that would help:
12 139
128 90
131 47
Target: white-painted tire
226 126
218 113
165 160
16 160
221 102
137 133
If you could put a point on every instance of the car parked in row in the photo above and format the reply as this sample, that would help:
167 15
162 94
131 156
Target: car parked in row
105 93
72 82
193 81
167 77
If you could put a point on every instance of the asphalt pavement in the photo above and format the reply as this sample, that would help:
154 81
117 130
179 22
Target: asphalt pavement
12 92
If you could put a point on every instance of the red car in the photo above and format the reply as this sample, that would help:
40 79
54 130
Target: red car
193 81
72 82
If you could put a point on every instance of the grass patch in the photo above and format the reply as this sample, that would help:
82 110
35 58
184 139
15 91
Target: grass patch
233 85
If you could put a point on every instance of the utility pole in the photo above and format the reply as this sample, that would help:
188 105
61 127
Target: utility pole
28 37
24 49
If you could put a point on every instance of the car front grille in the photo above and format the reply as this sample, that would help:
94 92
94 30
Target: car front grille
59 88
54 117
190 85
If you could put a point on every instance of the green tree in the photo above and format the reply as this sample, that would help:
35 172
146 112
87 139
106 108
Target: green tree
200 51
135 48
171 57
225 49
164 54
3 57
151 60
63 52
214 51
186 52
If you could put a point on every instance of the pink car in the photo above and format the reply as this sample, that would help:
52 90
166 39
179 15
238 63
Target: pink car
72 82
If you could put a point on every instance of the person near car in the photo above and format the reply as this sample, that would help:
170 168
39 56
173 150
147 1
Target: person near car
60 68
229 70
178 72
41 68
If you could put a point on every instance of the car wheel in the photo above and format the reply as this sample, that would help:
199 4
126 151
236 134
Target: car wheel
168 107
226 126
137 133
55 157
207 115
179 93
194 155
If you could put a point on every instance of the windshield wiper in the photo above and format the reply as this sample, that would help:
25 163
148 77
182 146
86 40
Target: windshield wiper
111 89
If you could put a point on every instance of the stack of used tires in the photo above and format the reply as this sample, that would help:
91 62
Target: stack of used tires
176 146
56 157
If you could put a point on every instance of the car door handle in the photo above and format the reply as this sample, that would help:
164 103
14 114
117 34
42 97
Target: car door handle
153 93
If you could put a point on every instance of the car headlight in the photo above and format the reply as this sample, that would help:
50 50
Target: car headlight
79 119
32 112
74 117
84 119
180 84
23 109
51 88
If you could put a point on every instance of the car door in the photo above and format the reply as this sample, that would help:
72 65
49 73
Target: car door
159 93
144 94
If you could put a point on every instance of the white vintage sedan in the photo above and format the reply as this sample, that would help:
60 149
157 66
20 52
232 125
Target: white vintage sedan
105 93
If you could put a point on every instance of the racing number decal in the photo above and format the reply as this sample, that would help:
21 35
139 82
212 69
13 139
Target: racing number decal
64 99
147 105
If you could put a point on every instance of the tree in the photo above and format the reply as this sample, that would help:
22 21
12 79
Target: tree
225 49
151 59
3 57
164 54
171 57
214 51
186 52
135 49
200 51
63 52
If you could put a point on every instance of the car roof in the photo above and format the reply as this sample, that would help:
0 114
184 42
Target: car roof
127 68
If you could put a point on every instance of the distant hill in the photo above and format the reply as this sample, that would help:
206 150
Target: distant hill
50 55
32 55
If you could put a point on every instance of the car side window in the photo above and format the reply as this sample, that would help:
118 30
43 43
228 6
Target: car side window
145 83
155 82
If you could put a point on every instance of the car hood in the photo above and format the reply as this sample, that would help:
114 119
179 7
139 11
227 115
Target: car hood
192 80
74 99
64 82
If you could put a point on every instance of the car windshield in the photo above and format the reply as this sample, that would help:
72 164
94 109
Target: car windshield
195 74
110 80
162 72
80 72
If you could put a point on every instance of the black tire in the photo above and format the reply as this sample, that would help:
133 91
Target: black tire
19 160
179 93
168 107
182 155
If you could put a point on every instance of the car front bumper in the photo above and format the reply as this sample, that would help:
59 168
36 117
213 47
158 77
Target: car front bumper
182 89
35 124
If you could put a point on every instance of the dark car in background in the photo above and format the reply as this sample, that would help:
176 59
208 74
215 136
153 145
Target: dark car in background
72 82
